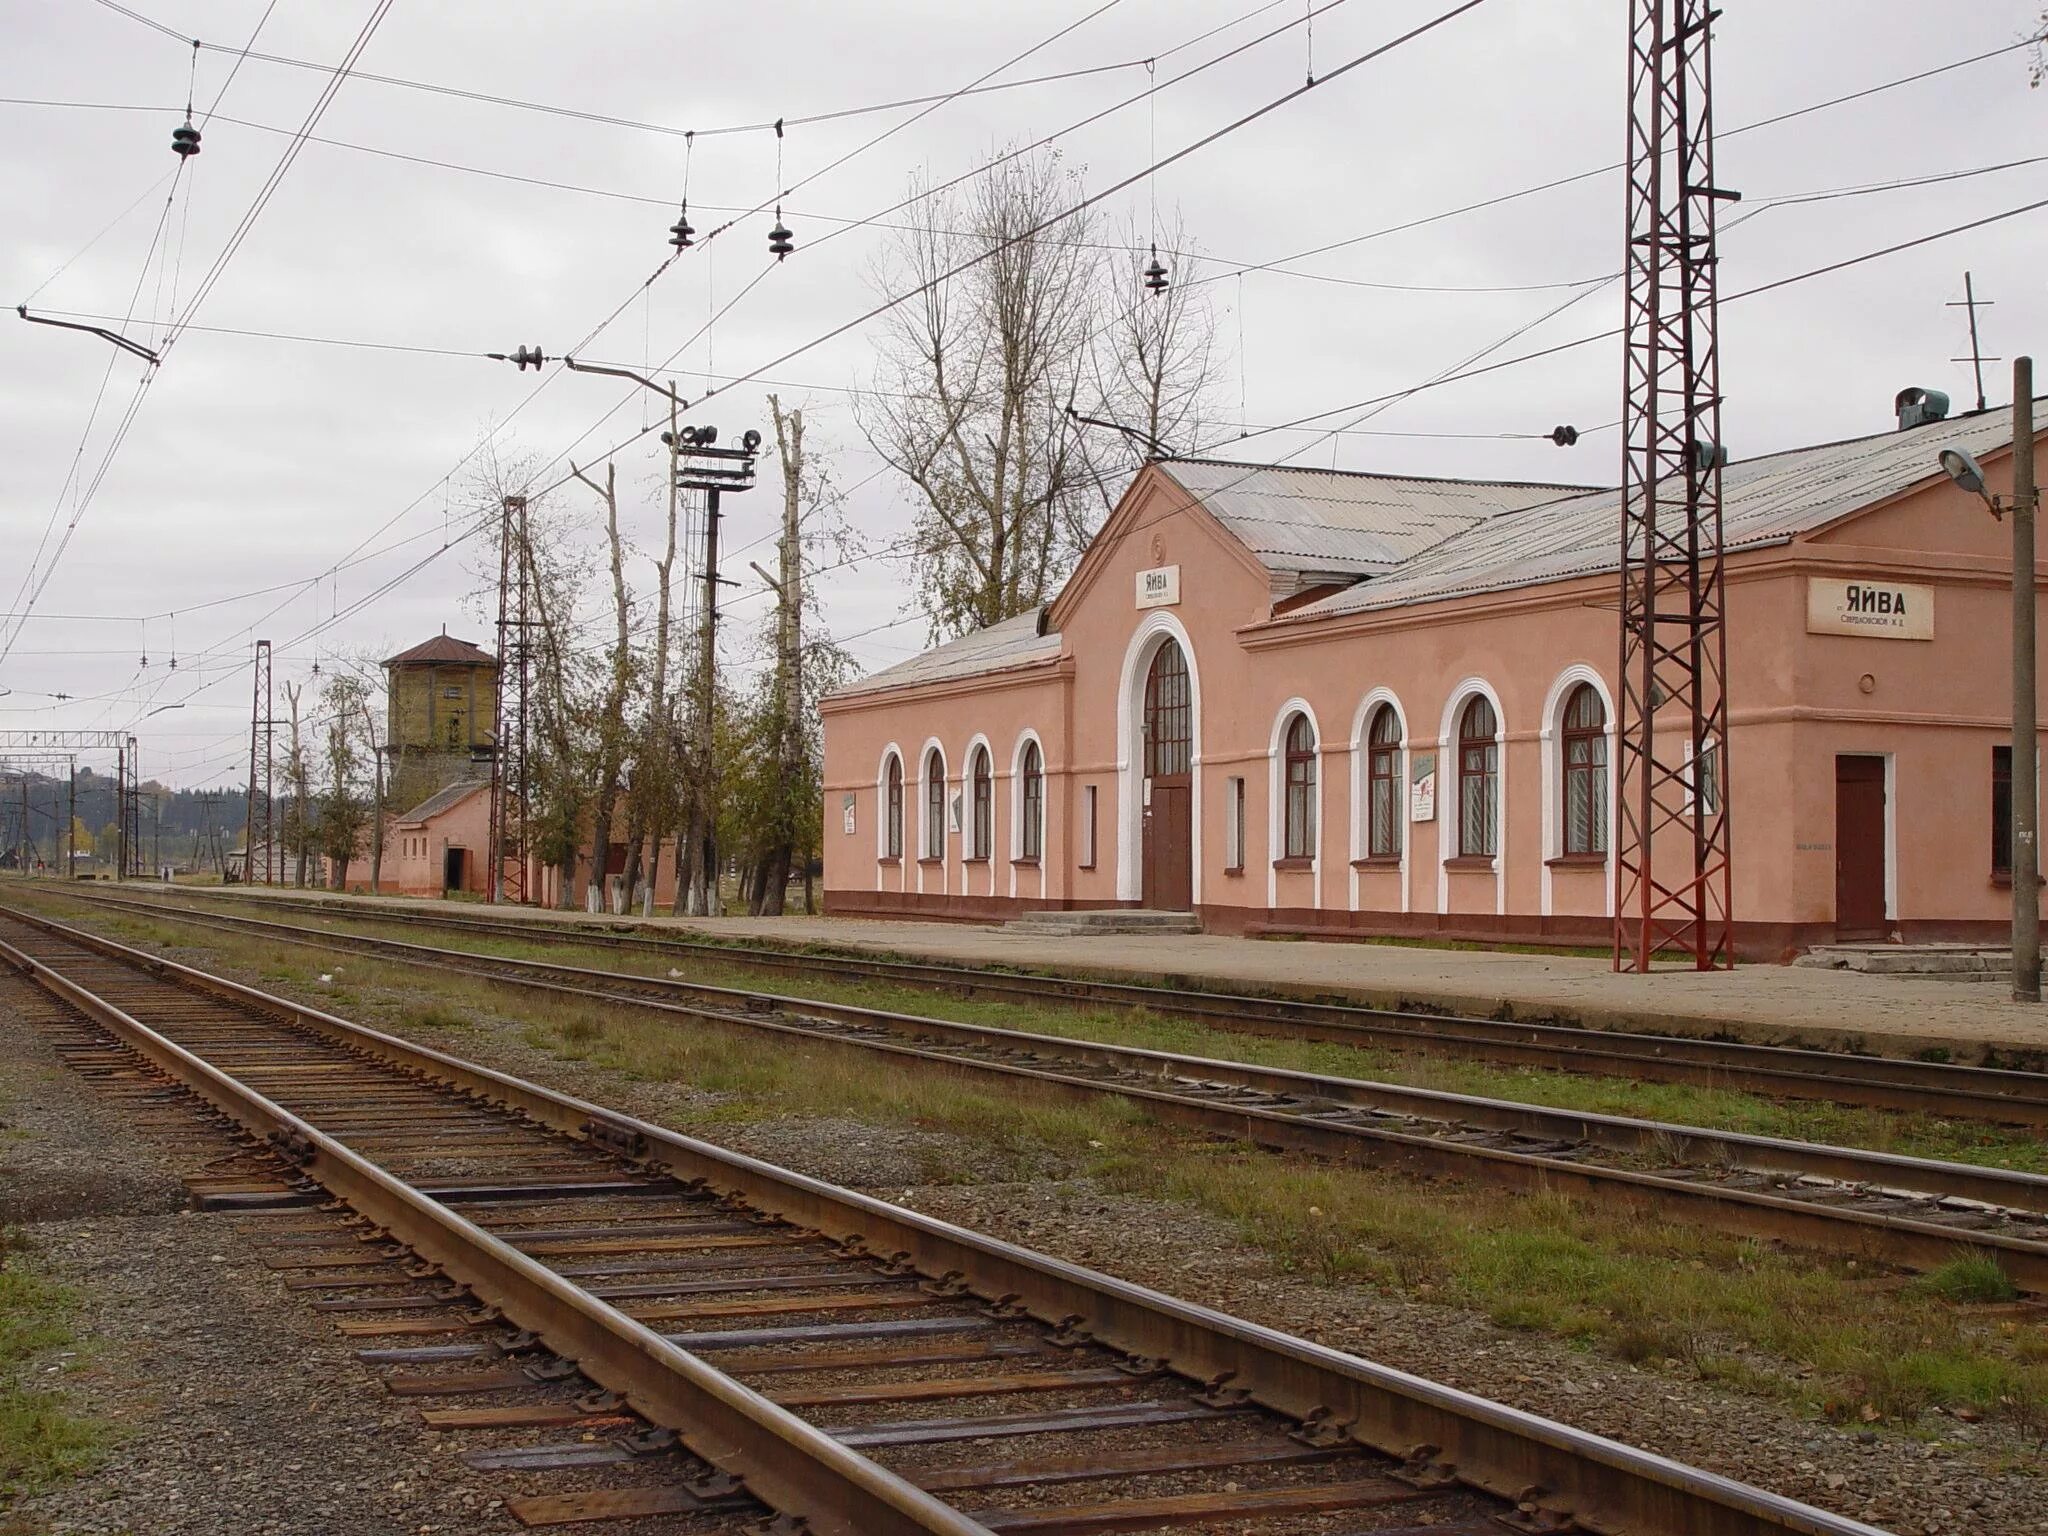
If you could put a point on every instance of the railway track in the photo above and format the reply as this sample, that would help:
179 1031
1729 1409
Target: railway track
663 1327
1989 1093
1902 1212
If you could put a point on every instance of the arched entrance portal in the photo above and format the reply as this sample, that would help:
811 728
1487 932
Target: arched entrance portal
1168 859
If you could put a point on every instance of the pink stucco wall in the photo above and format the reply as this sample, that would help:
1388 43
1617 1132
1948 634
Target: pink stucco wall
1932 709
415 852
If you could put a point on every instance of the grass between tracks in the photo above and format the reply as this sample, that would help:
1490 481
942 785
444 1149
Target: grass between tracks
1818 1332
41 1438
1914 1135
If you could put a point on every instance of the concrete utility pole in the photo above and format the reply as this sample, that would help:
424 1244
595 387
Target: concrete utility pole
699 466
2026 848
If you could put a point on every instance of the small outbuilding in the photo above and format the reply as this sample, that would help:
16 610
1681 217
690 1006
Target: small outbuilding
442 844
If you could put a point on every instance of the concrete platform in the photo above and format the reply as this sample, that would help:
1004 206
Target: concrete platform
1784 1005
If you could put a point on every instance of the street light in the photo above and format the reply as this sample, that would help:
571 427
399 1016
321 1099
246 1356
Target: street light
2024 501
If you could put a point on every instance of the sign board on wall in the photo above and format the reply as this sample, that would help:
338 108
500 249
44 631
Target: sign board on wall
1882 610
846 810
1159 587
1422 787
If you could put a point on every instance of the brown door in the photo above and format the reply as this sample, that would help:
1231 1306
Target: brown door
1169 847
1859 848
1169 852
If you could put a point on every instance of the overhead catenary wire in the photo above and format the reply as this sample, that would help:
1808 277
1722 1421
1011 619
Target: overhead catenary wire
596 331
213 275
1462 373
1276 429
838 114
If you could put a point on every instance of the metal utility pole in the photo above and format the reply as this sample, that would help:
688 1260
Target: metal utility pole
121 812
1976 359
71 826
511 779
700 466
261 730
131 825
1674 887
2026 844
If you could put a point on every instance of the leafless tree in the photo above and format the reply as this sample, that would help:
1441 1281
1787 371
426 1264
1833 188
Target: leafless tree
650 799
299 815
609 729
975 381
1154 362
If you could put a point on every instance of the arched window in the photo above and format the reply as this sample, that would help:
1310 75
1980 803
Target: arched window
1383 806
982 776
1478 780
892 810
1168 719
1585 772
934 804
1301 788
1031 824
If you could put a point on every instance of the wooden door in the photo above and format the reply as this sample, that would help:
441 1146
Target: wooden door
1170 847
1859 848
1169 853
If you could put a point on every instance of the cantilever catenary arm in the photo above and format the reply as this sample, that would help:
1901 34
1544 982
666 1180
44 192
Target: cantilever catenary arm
93 330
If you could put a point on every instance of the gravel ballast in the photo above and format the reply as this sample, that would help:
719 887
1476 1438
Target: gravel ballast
1950 1476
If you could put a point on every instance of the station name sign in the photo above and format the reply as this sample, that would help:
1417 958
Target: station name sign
1159 587
1882 610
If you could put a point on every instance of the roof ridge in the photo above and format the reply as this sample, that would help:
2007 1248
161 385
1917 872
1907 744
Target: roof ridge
1386 474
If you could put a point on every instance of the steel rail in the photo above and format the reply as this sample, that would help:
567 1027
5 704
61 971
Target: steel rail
784 1461
1551 1471
1165 1080
1998 1094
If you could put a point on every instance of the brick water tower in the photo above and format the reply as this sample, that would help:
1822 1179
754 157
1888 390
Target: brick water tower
442 717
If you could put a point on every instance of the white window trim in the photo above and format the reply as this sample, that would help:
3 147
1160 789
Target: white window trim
1450 808
924 823
882 815
1158 625
1028 737
1276 802
1361 789
1552 736
979 743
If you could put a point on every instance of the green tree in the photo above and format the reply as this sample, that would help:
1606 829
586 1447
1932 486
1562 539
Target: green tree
343 809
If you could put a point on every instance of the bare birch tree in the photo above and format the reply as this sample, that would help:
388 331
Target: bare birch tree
1154 363
650 799
299 815
975 381
609 728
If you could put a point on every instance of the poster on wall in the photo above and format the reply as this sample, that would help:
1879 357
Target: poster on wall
846 811
1422 787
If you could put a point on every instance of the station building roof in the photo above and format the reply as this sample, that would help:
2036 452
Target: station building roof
1764 501
1398 540
444 799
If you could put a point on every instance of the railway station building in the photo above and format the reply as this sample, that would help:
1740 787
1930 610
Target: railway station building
1292 701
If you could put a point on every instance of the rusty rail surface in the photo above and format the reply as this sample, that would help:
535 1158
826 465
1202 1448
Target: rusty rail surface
1557 1478
1905 1212
1998 1094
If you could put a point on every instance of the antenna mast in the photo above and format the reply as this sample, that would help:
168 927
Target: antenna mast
1673 892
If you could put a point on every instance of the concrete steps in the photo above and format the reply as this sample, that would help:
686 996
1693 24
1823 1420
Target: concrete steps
1113 920
1955 962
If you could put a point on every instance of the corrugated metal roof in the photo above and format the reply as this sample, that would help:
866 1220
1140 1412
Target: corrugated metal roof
1012 643
1343 522
1765 501
443 799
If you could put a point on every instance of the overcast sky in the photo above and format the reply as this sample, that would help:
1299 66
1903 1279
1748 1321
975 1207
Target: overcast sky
256 463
